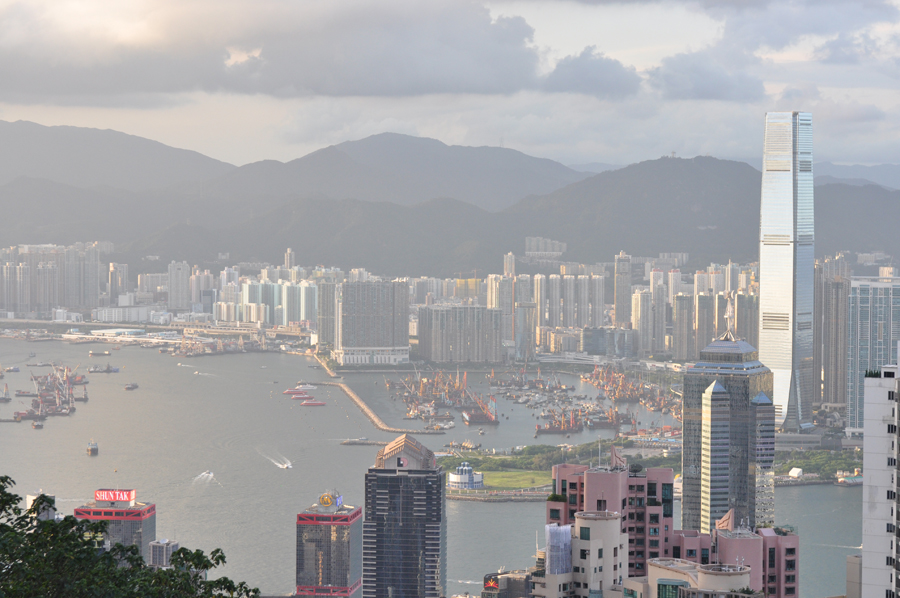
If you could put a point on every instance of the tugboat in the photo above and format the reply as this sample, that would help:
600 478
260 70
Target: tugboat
92 449
37 425
131 386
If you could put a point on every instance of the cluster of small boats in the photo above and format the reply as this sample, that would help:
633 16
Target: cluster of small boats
299 393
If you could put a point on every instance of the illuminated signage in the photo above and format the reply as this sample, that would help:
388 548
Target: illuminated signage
339 501
114 495
326 500
491 583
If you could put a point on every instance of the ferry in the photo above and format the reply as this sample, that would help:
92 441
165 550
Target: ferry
302 385
131 386
37 425
92 449
301 397
300 390
311 402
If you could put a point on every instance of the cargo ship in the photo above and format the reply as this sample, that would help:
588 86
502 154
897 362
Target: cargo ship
557 429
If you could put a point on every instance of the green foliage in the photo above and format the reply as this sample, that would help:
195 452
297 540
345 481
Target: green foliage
556 498
61 559
824 463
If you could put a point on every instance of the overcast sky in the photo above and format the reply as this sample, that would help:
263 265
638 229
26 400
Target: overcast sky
576 81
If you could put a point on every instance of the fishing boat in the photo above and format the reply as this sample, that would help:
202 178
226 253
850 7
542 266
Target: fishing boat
92 449
311 402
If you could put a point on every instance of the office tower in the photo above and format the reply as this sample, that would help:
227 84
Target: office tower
660 309
673 278
500 296
598 300
704 321
879 499
715 462
830 330
540 298
554 295
526 313
289 259
683 327
179 286
118 282
874 332
786 253
326 310
583 315
746 312
460 333
329 548
372 321
642 320
569 301
735 366
732 276
131 523
509 264
405 529
623 289
161 552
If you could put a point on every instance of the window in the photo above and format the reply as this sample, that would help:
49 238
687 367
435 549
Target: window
639 542
615 551
573 499
571 513
631 488
639 530
790 591
599 553
654 517
691 553
601 505
704 556
585 533
790 551
892 462
573 486
667 491
771 558
654 543
654 531
892 428
654 555
789 578
891 495
676 552
554 513
639 501
890 528
631 540
631 515
584 554
773 578
771 590
640 488
651 488
630 501
639 516
623 504
639 554
790 565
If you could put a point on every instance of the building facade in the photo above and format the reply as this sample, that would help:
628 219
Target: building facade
131 523
623 289
372 322
405 528
329 548
786 265
460 334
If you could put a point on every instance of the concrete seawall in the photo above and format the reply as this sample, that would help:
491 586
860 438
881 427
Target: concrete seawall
367 411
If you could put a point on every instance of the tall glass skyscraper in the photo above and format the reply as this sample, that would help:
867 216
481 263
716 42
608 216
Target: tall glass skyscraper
786 265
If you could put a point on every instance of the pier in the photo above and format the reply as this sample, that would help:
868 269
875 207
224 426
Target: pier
367 411
355 442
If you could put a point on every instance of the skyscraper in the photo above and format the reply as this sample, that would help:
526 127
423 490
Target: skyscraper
509 264
598 300
683 327
405 530
326 310
329 548
372 321
569 301
642 320
660 310
179 286
830 329
623 289
554 295
500 291
583 301
539 295
704 321
735 367
460 333
289 259
118 282
130 522
786 255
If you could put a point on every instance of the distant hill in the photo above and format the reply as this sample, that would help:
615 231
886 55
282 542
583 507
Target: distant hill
400 169
595 167
89 158
887 175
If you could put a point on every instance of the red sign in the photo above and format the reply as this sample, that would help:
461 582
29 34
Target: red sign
114 495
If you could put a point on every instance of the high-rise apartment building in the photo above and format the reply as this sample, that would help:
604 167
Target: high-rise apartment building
701 282
539 295
786 265
509 264
289 259
554 296
329 548
735 367
831 330
660 310
874 332
683 327
130 522
746 312
326 312
405 528
583 313
598 301
569 301
460 333
673 282
179 286
704 321
161 552
201 281
642 320
623 289
500 291
118 282
372 322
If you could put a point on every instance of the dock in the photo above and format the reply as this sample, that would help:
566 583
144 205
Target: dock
352 442
373 417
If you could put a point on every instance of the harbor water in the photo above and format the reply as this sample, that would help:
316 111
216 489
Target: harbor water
227 415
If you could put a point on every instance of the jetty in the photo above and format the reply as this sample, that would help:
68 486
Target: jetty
357 442
373 417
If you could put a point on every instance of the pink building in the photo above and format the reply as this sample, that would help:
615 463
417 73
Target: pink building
644 499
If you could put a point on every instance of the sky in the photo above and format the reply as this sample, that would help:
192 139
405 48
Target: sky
573 80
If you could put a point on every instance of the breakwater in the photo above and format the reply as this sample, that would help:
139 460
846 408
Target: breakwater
373 417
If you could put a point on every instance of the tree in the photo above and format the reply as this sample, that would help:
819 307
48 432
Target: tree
62 559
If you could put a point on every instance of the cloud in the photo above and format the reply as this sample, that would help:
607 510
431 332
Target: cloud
594 74
703 76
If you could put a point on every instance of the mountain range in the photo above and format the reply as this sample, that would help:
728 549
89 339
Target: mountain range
400 205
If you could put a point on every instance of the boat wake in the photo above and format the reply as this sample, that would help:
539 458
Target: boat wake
278 461
205 478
